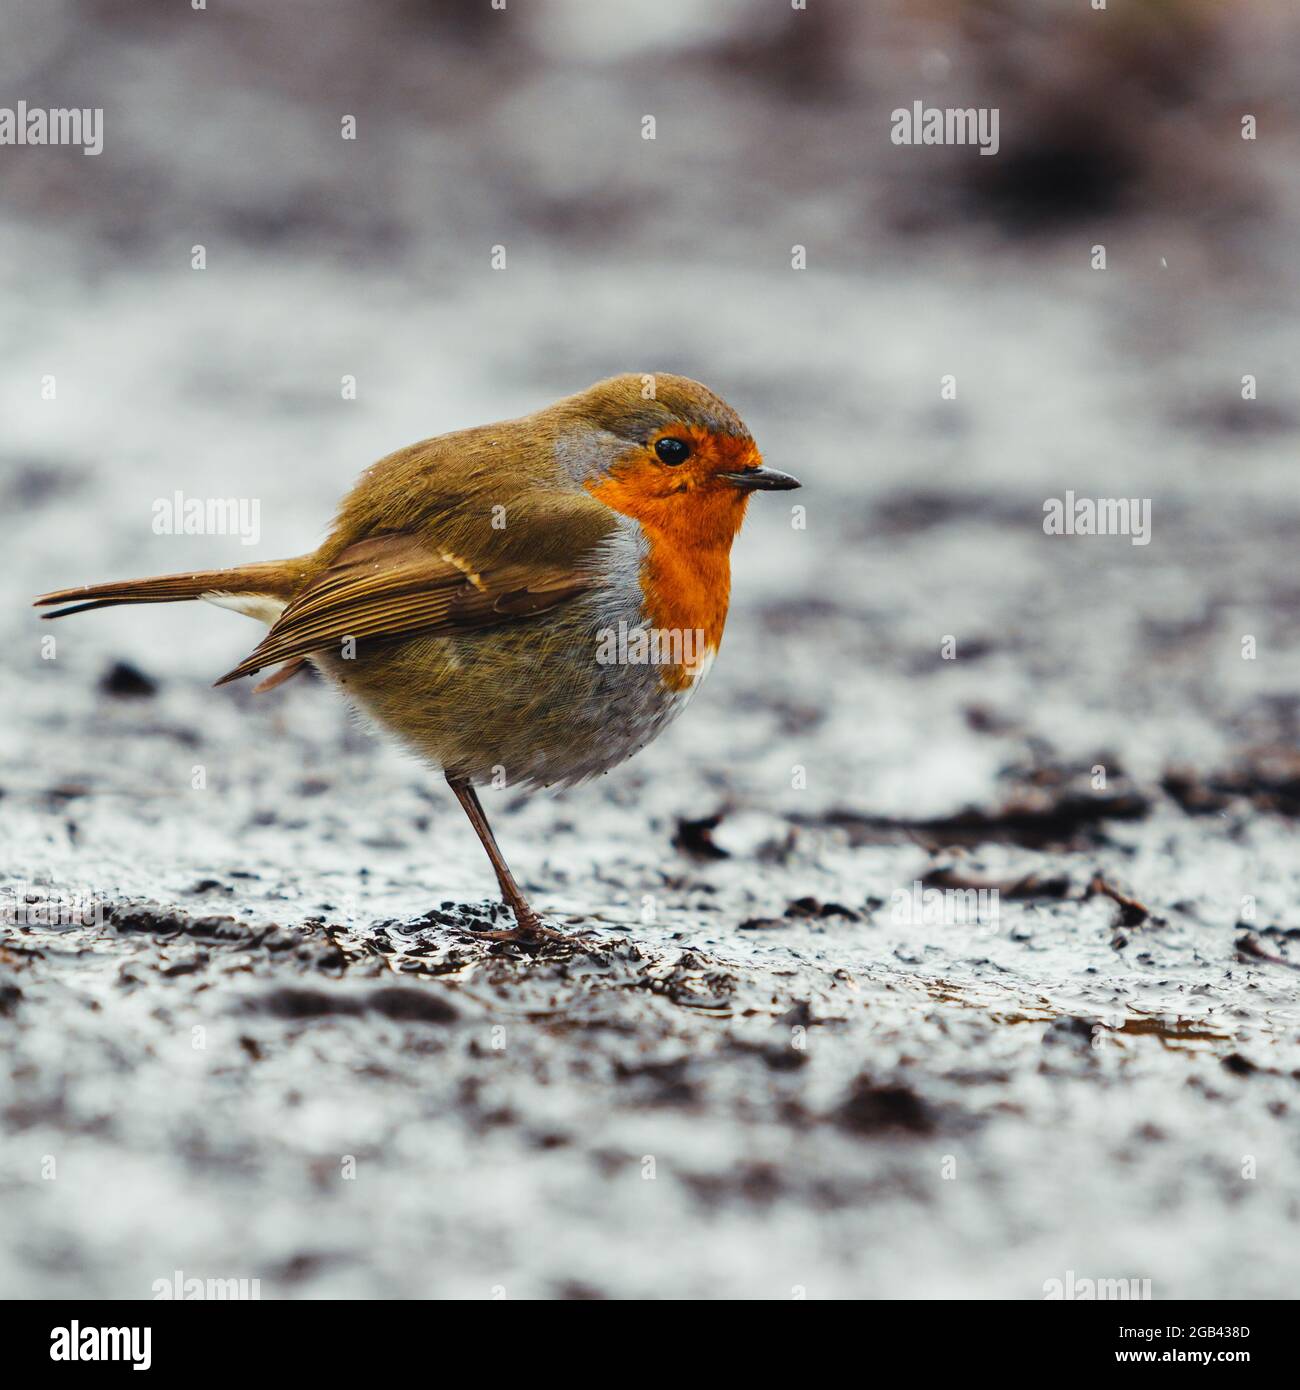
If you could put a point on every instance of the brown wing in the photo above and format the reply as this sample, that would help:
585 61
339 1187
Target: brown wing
392 584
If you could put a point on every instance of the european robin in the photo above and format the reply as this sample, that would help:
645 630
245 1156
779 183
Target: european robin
533 600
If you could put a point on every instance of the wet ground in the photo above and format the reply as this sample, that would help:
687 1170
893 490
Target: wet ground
767 1063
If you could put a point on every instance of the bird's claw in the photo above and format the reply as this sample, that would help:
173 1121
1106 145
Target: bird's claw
529 930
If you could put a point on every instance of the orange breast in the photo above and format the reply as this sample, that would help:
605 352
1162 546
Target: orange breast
686 576
686 598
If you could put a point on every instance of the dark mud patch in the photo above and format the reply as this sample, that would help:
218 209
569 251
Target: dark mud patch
873 1108
400 1005
1028 887
1034 820
1129 912
122 681
695 837
1266 779
1249 948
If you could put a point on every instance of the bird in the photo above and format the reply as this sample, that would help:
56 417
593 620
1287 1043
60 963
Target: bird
526 603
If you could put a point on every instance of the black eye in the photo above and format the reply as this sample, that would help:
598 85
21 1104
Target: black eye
672 450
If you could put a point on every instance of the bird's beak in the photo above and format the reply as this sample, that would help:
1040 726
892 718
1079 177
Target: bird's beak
761 479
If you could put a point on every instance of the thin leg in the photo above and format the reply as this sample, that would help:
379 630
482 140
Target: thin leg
530 926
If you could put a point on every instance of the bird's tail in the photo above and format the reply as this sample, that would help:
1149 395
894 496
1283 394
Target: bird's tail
274 579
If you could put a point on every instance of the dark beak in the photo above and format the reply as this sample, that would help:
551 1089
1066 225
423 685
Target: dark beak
761 480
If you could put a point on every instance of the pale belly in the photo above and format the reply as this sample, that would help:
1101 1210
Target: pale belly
532 704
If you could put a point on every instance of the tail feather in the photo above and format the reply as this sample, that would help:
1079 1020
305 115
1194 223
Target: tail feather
274 578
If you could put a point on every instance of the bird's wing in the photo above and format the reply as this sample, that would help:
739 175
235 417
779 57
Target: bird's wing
397 583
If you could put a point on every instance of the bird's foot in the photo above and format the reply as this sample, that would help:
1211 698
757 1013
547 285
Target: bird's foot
529 929
534 937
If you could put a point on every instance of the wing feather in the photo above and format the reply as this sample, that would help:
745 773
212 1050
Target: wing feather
388 585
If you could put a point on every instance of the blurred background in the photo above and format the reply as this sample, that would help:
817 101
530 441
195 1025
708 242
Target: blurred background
372 258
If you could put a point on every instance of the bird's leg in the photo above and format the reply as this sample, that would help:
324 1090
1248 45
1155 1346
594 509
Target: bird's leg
529 926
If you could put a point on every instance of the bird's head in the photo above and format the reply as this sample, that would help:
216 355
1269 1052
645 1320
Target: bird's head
666 451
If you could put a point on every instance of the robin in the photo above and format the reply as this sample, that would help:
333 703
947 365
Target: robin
529 602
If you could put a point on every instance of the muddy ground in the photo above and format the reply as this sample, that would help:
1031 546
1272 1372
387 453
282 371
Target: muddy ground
277 1050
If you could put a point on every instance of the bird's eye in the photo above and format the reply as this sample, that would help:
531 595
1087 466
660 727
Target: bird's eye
672 450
